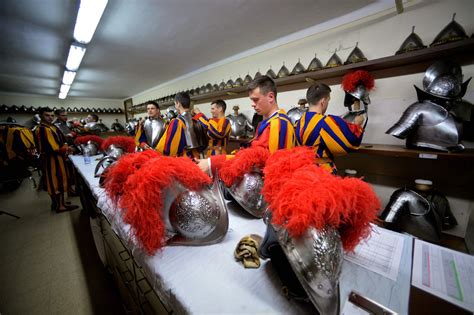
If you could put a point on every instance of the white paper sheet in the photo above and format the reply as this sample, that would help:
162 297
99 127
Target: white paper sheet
443 272
381 253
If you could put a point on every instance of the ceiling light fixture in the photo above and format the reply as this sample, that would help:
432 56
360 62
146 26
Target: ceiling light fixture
68 77
62 95
76 53
88 17
64 88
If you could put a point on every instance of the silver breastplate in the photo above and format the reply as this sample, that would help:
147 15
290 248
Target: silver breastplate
428 125
239 125
189 132
154 129
195 217
295 114
63 127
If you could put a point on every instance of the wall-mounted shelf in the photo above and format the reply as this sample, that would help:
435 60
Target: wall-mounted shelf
401 151
417 61
14 109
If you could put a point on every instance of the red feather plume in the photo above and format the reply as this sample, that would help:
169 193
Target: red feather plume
142 201
360 77
126 143
117 173
84 139
312 196
244 161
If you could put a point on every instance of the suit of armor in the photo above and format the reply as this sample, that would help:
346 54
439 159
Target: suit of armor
295 113
435 121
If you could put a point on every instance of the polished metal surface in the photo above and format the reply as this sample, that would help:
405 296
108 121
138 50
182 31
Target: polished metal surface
63 127
295 113
131 126
114 151
248 194
270 73
283 72
103 164
355 56
240 125
334 61
316 258
195 217
450 33
154 129
444 79
171 112
247 79
192 141
351 115
315 64
411 43
298 68
92 147
428 125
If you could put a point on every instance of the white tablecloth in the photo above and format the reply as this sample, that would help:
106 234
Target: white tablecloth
207 279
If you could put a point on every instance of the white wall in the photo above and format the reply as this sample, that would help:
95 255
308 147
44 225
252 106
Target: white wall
379 35
40 101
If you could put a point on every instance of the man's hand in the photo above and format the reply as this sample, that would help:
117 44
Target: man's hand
145 146
203 165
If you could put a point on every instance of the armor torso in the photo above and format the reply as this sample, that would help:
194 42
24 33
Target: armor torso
239 125
192 141
428 125
295 114
154 129
351 115
63 127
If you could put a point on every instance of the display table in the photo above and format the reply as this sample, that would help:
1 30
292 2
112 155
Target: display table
207 279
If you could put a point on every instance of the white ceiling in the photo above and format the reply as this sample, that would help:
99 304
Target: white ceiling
142 43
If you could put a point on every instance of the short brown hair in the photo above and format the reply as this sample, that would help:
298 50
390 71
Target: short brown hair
153 103
265 83
317 92
221 104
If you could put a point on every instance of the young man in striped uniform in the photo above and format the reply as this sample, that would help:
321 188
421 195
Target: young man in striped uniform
329 135
52 147
149 132
218 127
180 137
274 132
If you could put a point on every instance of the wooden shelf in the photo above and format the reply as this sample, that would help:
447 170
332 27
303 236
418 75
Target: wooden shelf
401 151
417 61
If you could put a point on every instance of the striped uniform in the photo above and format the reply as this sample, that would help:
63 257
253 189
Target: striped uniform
274 133
52 147
15 142
173 141
218 131
329 135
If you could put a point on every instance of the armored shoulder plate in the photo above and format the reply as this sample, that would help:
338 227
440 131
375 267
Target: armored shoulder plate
154 129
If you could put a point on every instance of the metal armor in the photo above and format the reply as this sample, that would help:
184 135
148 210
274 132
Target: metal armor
247 193
63 127
195 217
295 114
154 129
112 154
116 126
315 258
240 125
131 126
92 147
351 115
428 125
421 216
192 141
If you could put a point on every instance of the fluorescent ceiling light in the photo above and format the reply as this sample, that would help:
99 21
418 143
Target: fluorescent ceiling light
88 17
75 57
62 95
64 88
68 77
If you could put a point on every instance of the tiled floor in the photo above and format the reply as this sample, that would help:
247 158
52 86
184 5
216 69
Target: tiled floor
48 262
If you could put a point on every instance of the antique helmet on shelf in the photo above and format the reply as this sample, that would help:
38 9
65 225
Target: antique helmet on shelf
411 43
247 79
283 72
450 33
270 73
315 64
309 224
229 84
222 85
334 61
238 82
298 68
181 207
443 79
257 75
355 56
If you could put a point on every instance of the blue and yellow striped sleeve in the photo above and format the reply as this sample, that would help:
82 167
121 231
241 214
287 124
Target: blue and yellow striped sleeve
281 135
173 141
338 137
